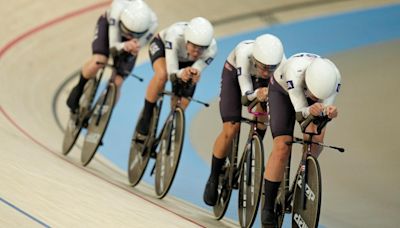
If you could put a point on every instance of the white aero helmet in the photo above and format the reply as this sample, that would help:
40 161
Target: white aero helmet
268 50
135 19
199 31
322 78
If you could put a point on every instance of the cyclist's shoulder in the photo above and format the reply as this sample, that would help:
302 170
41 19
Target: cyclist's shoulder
241 53
174 32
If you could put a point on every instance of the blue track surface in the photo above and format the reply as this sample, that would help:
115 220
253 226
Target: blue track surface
323 36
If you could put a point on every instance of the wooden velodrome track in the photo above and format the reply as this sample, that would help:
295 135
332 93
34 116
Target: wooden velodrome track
41 42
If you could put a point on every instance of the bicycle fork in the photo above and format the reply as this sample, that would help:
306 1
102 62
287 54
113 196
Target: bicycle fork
168 128
288 192
99 110
303 174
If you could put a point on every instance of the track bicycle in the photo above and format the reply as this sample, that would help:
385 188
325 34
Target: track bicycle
166 147
250 171
303 198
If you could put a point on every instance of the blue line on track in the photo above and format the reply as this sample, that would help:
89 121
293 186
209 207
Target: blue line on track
23 212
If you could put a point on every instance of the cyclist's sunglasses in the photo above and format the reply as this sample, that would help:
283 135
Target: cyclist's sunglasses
128 33
201 48
264 67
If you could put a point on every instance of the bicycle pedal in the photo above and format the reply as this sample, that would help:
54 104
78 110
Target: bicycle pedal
140 141
153 169
85 122
235 185
153 154
288 209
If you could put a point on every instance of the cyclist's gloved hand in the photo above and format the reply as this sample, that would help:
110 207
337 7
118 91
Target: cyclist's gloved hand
331 111
188 74
262 94
316 109
132 46
195 75
185 75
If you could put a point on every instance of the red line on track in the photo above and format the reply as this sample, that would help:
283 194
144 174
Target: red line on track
27 34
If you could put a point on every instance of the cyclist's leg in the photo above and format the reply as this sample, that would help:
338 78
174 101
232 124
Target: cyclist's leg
230 110
282 125
220 152
273 176
89 71
100 51
155 86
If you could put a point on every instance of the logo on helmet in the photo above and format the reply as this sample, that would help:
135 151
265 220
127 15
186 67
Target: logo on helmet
338 87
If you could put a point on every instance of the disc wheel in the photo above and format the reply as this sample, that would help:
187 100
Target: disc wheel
308 216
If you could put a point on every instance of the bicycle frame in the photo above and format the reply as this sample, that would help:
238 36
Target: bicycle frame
168 120
320 122
302 169
253 131
153 144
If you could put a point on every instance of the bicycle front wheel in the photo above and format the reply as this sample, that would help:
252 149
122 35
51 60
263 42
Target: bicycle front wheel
139 152
251 178
169 154
98 123
76 121
307 214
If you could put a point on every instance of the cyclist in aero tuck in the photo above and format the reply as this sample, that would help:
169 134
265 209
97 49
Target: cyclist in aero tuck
304 85
245 77
121 31
182 50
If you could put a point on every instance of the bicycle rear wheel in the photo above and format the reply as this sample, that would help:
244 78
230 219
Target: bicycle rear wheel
76 121
139 152
251 182
308 216
168 157
226 180
98 123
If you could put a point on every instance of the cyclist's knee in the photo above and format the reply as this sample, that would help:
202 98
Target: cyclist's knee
161 77
230 130
118 80
280 148
91 67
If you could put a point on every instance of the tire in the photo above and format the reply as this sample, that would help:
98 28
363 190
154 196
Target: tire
76 121
251 179
308 217
139 153
226 180
170 149
280 203
97 125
